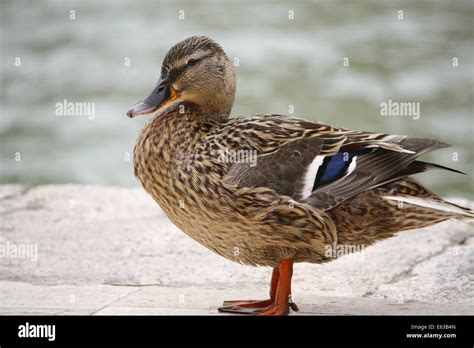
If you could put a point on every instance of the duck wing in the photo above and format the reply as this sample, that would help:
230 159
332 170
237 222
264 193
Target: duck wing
374 168
281 170
286 149
323 165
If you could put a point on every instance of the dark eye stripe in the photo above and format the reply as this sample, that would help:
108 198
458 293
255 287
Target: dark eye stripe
178 71
194 61
174 72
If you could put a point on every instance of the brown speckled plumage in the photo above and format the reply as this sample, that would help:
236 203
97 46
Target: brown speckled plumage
260 215
180 169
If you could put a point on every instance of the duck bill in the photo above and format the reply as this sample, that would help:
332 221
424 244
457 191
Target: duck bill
162 94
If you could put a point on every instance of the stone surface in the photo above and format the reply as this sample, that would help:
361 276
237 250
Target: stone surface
109 250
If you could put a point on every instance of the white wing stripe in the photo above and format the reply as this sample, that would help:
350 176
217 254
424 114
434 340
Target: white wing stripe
352 166
310 176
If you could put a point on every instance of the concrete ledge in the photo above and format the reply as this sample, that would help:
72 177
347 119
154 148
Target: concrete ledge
107 250
27 299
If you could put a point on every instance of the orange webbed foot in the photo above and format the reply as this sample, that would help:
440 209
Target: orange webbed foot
273 310
244 306
256 307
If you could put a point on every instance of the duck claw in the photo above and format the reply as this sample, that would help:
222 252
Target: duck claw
294 307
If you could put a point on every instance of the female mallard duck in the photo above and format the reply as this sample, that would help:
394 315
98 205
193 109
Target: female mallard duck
301 187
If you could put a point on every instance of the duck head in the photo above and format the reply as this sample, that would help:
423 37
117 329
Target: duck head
195 72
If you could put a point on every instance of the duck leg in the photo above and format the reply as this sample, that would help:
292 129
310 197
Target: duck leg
281 305
279 274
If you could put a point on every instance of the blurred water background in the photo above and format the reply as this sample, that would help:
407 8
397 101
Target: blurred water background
283 62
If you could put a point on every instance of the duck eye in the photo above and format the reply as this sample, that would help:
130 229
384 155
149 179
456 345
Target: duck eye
192 62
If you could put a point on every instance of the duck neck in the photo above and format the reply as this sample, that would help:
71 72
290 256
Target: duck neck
216 109
180 128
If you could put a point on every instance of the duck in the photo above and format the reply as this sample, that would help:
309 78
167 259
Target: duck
268 189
